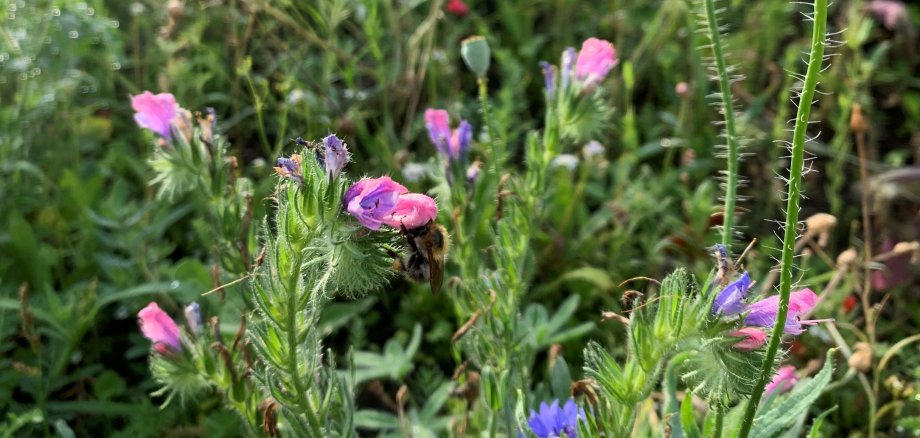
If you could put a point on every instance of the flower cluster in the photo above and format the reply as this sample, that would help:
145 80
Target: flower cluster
730 301
382 201
588 67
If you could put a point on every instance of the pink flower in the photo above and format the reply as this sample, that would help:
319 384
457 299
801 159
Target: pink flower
412 210
763 313
595 60
783 381
373 200
457 7
753 339
155 112
157 326
890 12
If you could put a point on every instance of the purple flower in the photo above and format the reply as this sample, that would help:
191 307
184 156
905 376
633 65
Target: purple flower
549 78
472 172
336 155
783 381
157 326
155 112
568 61
552 421
452 145
730 300
763 313
437 121
290 167
193 318
460 140
373 200
595 60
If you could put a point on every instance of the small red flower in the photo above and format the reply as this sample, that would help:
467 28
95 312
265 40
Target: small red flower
849 303
457 7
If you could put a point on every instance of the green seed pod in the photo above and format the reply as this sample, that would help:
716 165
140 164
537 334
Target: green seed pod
475 51
491 388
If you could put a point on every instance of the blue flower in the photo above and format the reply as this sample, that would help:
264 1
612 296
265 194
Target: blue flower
730 300
552 420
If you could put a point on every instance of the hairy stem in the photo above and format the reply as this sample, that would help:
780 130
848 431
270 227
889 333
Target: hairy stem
792 207
728 111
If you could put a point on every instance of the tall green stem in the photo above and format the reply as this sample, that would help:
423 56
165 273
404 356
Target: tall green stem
728 110
792 207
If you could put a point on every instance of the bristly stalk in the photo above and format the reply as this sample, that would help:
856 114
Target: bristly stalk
792 206
728 111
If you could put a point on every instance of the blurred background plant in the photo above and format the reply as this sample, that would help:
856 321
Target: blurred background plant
86 242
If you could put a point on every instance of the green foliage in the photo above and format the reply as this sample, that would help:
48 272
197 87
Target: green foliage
539 250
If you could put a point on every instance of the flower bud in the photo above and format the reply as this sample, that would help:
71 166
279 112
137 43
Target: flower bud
847 257
193 318
475 51
861 360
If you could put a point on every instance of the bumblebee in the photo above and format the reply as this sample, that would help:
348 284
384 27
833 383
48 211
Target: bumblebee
426 248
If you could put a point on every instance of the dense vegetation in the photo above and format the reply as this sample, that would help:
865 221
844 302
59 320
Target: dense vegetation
582 217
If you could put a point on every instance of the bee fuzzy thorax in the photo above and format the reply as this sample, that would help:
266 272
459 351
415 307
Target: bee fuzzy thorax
426 249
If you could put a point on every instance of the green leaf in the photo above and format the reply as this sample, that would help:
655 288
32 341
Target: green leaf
782 415
561 379
108 385
816 426
687 417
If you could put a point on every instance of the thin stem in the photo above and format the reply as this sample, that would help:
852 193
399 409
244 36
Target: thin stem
728 111
792 207
494 154
720 411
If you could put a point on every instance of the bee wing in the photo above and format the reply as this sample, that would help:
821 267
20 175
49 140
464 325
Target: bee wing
435 271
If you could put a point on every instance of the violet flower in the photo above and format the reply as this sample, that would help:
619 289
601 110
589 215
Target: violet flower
595 60
452 145
752 339
763 313
565 67
373 200
783 381
157 326
155 112
549 78
336 155
552 421
730 301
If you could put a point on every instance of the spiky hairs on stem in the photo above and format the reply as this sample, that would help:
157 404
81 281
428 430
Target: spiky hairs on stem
796 166
725 103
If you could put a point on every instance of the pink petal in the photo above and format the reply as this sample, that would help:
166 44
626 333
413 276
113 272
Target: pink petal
753 339
412 210
157 326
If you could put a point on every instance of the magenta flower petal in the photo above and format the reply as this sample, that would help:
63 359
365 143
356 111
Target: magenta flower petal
783 381
752 339
763 313
437 121
157 326
155 112
412 211
595 60
372 200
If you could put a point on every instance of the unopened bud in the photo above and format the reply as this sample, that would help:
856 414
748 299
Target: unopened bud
820 223
847 258
476 53
858 122
861 360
